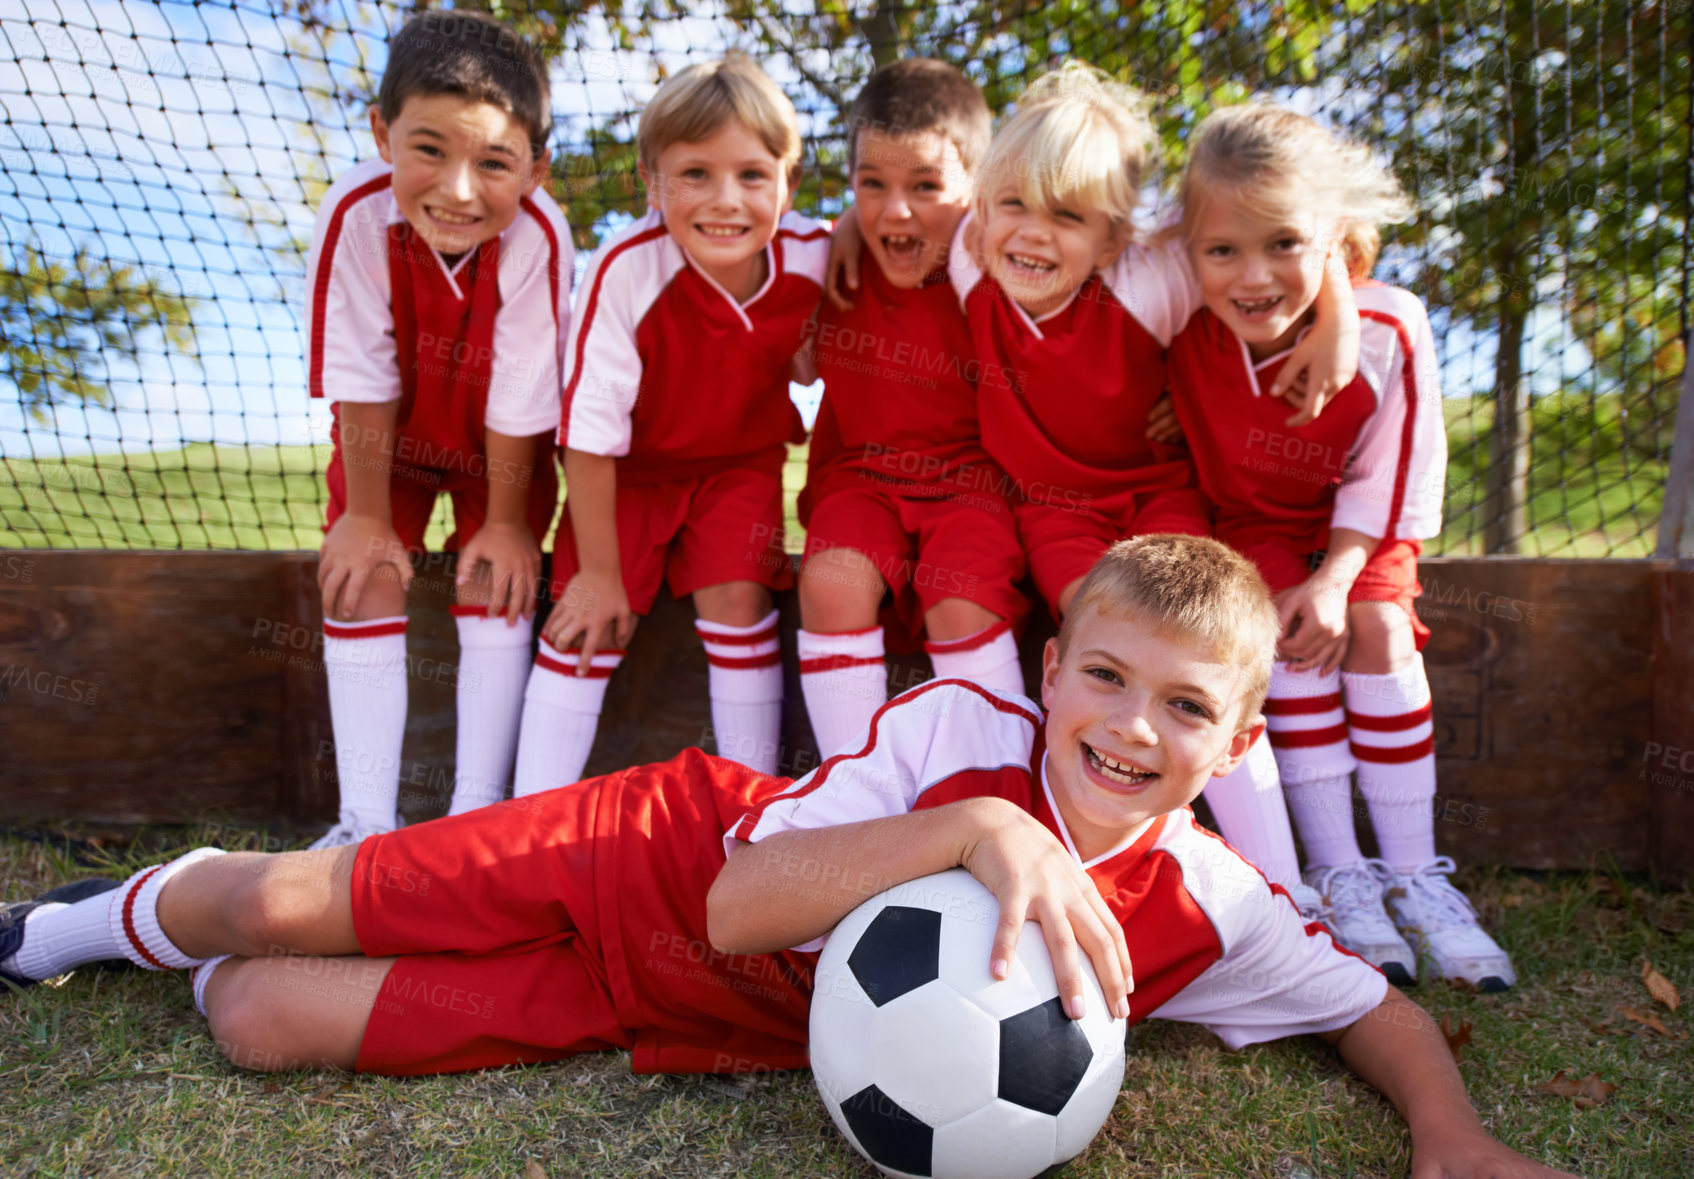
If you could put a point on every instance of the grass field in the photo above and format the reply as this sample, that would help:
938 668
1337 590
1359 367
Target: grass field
114 1074
1591 495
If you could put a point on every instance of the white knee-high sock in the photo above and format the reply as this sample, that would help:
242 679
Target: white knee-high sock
494 662
744 673
132 917
561 711
1393 736
1308 734
366 665
1252 816
989 657
58 938
844 680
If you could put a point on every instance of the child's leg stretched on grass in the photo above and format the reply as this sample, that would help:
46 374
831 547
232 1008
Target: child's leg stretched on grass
278 1014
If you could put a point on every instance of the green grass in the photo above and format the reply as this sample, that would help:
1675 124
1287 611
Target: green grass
114 1074
1596 486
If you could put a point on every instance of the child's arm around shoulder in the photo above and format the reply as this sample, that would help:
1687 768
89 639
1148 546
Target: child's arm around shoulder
850 830
1400 1052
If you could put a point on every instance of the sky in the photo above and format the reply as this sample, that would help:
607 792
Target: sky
167 137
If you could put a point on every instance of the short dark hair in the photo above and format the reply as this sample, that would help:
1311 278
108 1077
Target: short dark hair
918 95
474 56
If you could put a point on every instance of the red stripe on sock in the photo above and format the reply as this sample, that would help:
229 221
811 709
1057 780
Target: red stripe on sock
129 917
747 662
1390 755
1306 738
970 642
1301 705
836 663
361 630
548 663
763 636
1390 724
458 611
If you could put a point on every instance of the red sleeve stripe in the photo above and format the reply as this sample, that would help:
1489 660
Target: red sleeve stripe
129 918
1390 724
836 663
1301 705
740 663
364 630
320 284
529 206
596 671
1306 738
819 776
1409 386
592 304
970 642
719 640
1394 755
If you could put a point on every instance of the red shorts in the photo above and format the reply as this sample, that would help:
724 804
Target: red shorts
412 492
927 549
1063 542
1391 575
690 534
498 964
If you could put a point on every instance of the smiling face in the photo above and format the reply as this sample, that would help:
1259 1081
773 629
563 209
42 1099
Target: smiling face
721 198
1259 271
461 168
1139 720
911 192
1041 256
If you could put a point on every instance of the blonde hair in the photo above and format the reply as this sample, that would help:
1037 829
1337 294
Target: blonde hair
1194 587
1257 151
698 101
1077 136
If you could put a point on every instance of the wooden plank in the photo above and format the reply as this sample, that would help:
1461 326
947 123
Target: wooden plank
1543 700
1676 515
1666 763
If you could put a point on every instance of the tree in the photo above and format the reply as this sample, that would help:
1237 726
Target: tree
61 323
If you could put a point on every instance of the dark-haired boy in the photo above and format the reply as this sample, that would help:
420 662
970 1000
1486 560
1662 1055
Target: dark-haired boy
671 909
436 300
900 494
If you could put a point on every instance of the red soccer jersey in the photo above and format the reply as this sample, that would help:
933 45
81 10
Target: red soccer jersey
1210 941
1064 399
1374 460
667 372
899 403
463 348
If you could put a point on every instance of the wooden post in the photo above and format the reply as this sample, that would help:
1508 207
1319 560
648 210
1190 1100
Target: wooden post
1676 518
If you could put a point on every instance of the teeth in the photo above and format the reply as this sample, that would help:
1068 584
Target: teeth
1029 263
452 218
721 230
1253 308
1127 774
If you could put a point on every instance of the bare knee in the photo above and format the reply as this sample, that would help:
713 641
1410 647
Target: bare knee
246 1021
955 618
1382 642
290 903
839 591
734 603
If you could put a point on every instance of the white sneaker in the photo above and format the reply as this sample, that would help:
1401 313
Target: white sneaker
1310 902
1357 919
1441 926
344 833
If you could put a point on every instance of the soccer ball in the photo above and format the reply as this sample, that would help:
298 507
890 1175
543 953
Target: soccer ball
930 1066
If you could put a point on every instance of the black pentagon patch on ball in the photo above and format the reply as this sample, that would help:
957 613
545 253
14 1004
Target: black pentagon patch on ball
899 951
1043 1056
892 1137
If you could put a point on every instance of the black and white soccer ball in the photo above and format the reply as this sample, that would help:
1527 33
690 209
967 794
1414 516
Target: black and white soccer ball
930 1066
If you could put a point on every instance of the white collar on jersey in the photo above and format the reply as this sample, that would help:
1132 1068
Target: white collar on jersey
451 272
740 308
1064 832
1253 366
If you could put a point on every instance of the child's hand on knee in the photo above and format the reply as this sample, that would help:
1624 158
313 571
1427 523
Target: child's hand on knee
513 559
595 610
1314 625
354 550
1035 878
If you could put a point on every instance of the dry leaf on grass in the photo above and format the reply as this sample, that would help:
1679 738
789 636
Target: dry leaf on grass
532 1170
1456 1040
1586 1093
1658 986
1651 1020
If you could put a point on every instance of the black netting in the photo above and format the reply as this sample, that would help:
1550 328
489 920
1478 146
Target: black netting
162 162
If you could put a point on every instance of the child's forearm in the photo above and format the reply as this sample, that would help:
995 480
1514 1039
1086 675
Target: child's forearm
367 456
591 491
1398 1050
1348 553
794 886
511 463
1335 303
